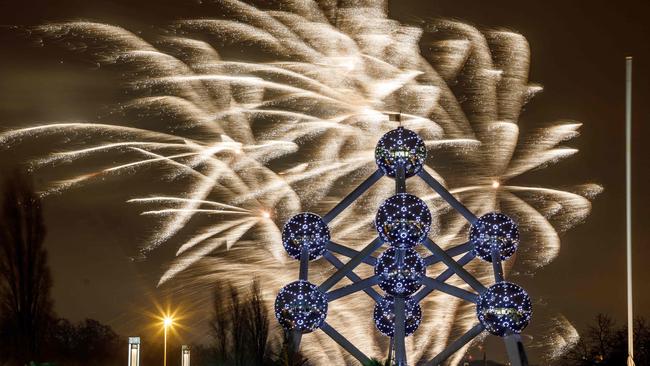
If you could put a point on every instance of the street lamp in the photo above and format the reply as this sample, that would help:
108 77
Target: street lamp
168 321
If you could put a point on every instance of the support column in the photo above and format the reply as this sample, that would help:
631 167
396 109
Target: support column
361 189
496 263
453 265
350 265
343 342
354 287
456 345
349 252
400 179
515 349
444 276
304 263
400 331
352 276
444 193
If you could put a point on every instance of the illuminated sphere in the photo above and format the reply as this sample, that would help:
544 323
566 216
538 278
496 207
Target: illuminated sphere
305 229
301 306
384 316
399 279
494 229
403 220
504 308
400 147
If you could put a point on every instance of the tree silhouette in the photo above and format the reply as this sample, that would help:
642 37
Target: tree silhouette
90 343
240 327
25 281
606 344
258 324
288 354
220 325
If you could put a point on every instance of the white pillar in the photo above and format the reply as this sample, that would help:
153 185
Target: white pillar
185 355
134 351
628 201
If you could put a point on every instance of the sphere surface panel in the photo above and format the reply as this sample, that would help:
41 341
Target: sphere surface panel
400 271
494 230
305 229
504 308
400 147
403 220
384 316
301 306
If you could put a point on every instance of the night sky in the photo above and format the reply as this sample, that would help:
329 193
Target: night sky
578 50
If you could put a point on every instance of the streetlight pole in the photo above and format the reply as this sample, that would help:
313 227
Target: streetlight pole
167 322
628 201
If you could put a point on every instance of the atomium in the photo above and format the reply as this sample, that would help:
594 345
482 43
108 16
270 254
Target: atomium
504 308
494 229
305 229
400 276
301 306
384 316
403 220
400 147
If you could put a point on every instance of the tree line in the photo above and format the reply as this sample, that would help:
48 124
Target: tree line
604 343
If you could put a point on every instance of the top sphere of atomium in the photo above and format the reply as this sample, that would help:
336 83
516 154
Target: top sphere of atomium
305 229
403 220
400 147
504 308
301 306
494 229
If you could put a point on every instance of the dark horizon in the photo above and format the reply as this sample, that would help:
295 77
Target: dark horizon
577 54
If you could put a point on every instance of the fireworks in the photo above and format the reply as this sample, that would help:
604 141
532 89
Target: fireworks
238 145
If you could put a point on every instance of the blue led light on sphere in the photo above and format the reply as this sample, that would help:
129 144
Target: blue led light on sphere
504 308
403 220
494 229
301 306
384 316
400 147
400 277
305 229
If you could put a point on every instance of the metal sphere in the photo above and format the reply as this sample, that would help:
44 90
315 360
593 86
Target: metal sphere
400 147
504 308
494 229
305 229
400 276
301 306
403 220
384 316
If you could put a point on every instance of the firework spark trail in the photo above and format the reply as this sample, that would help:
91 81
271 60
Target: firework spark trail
254 142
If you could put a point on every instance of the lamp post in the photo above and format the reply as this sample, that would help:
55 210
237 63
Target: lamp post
628 208
167 323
